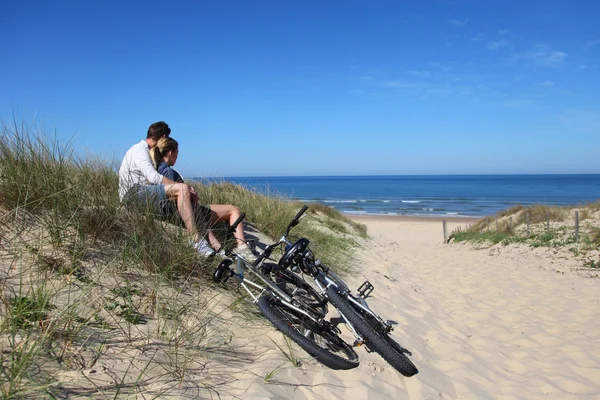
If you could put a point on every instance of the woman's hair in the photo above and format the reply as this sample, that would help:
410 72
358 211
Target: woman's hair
161 149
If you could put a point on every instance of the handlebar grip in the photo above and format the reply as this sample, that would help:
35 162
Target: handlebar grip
238 221
302 211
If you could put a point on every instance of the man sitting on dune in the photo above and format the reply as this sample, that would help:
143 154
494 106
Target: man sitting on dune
140 185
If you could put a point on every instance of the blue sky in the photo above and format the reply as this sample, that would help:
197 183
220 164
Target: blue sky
255 88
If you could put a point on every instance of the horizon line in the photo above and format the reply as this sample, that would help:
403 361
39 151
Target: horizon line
390 175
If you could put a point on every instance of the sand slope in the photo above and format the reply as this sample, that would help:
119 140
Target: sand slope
499 323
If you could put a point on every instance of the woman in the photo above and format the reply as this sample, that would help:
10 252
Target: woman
164 156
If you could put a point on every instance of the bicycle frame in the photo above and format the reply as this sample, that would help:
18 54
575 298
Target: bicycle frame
356 302
272 287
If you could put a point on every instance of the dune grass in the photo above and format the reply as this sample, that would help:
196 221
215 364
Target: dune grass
538 226
77 270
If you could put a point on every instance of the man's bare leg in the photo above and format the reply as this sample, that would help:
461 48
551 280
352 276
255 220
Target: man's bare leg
181 195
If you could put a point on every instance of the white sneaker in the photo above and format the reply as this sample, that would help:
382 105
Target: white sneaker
203 248
245 253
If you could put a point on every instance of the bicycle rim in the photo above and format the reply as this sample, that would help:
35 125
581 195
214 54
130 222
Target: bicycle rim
317 339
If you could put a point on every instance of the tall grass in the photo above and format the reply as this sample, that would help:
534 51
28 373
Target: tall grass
537 225
76 269
270 213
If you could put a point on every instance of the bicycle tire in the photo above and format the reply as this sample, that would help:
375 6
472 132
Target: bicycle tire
377 341
290 323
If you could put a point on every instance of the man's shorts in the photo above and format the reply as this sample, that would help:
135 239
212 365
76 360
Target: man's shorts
153 199
147 198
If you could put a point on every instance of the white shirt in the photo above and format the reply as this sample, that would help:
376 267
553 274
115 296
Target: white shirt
137 169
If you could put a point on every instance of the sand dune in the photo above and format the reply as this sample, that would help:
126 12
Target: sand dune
499 323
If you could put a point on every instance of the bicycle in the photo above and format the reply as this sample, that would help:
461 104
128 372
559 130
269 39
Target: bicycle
292 305
367 327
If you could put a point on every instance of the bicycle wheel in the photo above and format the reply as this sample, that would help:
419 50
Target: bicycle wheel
377 341
318 339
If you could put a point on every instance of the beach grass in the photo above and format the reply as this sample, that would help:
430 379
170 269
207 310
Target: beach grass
539 226
82 280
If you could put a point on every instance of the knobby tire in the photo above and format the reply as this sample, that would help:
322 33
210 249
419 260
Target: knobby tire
377 341
289 323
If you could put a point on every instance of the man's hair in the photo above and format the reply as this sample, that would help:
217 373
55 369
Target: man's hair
158 130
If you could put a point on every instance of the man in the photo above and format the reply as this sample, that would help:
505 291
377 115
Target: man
141 184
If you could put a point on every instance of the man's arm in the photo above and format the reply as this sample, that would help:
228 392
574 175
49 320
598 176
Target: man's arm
141 158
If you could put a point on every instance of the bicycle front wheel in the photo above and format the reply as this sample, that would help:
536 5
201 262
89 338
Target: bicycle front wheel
318 339
377 341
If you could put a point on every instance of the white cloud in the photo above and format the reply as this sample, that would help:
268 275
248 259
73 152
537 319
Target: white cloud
423 74
403 84
547 83
459 23
591 43
543 55
495 45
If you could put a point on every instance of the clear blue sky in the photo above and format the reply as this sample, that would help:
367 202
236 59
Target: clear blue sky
254 88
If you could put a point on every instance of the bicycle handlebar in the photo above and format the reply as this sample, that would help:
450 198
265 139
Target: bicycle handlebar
269 249
302 211
296 219
238 221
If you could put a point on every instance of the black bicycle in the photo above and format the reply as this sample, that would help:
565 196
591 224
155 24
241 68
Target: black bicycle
367 326
292 305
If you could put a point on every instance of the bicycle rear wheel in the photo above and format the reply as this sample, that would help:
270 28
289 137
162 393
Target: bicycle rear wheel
318 339
377 341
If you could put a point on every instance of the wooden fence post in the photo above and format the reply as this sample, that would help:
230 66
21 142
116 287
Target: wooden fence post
547 222
528 229
577 226
445 231
496 224
510 225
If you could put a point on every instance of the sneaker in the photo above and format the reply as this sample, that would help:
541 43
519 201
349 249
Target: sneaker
203 248
245 253
221 253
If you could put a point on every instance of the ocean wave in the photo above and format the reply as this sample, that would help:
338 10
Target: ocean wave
411 201
355 201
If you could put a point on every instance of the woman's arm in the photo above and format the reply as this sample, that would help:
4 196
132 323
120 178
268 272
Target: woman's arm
165 170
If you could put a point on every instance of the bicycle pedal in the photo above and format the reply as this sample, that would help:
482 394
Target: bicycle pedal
358 343
365 289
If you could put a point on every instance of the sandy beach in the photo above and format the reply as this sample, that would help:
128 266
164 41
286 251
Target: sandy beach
480 321
503 322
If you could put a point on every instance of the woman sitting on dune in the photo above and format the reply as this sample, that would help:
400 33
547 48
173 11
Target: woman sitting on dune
164 156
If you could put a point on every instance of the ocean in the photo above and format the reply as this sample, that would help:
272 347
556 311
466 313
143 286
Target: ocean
430 195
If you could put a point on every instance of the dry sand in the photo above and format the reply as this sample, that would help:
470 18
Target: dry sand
490 323
502 322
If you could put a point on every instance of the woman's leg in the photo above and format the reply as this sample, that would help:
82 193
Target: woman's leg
214 242
228 213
